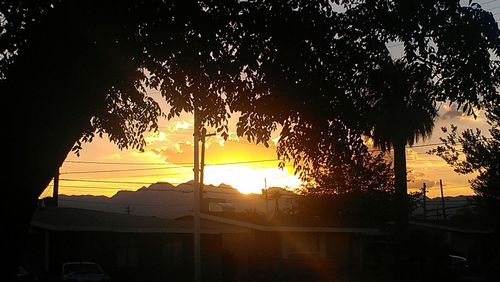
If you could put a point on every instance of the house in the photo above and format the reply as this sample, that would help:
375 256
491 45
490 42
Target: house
479 245
130 248
141 248
275 252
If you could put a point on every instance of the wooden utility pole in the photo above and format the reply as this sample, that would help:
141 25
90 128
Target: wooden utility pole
55 192
202 162
196 203
267 196
442 199
424 190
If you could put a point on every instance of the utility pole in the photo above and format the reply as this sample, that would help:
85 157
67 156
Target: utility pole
196 203
442 199
424 190
55 192
202 162
265 189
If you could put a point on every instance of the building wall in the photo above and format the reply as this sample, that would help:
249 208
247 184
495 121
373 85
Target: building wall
140 257
255 256
275 256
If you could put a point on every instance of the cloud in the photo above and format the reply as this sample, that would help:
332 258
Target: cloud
448 112
181 124
155 137
218 152
181 152
416 183
452 113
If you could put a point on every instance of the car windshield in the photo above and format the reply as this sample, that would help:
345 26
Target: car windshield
22 271
82 267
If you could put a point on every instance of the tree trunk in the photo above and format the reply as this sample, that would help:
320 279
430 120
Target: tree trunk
58 82
31 170
400 185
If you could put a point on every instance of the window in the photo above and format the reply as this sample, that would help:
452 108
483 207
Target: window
303 244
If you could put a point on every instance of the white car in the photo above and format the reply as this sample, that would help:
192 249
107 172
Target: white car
83 271
457 264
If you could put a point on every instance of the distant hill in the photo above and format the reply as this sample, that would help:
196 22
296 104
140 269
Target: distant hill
453 206
166 200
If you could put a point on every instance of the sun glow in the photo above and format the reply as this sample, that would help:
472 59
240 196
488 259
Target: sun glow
248 179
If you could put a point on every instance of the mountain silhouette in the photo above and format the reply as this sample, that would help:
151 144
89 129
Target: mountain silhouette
163 199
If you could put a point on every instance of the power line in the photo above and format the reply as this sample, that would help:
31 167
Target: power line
105 181
124 170
423 145
411 147
123 163
111 188
163 175
150 190
186 163
163 168
241 162
122 204
215 164
451 187
116 188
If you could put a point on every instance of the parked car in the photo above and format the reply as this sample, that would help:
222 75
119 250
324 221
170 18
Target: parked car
83 271
24 276
457 264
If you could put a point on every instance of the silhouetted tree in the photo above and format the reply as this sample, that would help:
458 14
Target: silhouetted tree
390 100
66 68
402 113
366 173
473 152
70 70
369 208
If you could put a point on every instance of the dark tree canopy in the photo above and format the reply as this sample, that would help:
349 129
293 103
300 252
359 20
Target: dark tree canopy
471 151
321 77
370 173
70 70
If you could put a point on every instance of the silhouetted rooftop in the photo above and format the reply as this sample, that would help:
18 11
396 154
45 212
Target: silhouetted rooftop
72 219
460 227
275 226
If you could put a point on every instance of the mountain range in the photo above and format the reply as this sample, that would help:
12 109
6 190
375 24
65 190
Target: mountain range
163 199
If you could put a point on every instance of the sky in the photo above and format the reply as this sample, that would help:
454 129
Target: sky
103 169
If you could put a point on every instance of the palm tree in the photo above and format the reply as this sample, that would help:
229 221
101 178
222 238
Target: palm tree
401 114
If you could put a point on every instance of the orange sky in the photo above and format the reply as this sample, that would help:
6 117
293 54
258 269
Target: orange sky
103 169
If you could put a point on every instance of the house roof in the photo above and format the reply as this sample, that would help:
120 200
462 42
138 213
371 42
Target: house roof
441 226
282 228
72 219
